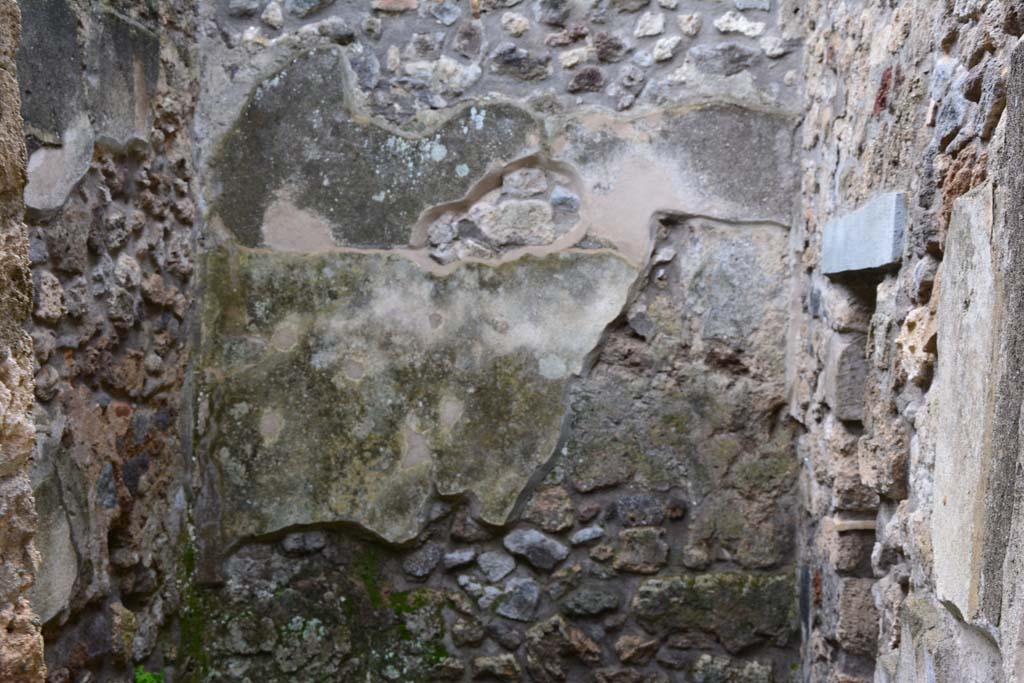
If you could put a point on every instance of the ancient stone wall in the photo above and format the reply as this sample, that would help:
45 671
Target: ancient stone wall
547 340
21 644
489 373
107 102
491 380
904 340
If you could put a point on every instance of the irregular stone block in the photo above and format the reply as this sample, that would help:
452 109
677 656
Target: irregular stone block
303 543
629 5
304 8
715 669
640 510
503 667
643 550
519 599
394 5
243 8
857 624
590 601
635 649
123 62
740 609
724 59
734 22
510 60
846 372
458 558
961 399
551 509
350 387
867 239
422 562
541 551
586 535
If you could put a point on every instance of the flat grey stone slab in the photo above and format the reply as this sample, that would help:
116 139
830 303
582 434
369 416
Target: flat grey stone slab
866 239
961 403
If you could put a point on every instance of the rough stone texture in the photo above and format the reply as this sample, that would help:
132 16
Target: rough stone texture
107 101
740 609
896 103
21 642
846 370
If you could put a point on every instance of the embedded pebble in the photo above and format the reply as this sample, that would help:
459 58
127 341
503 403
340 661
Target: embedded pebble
586 535
458 558
734 22
650 24
539 550
495 564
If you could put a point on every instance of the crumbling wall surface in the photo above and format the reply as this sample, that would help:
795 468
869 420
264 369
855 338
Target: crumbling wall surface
21 643
905 340
491 374
106 98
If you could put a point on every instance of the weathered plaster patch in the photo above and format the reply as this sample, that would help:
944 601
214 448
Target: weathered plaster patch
286 227
379 404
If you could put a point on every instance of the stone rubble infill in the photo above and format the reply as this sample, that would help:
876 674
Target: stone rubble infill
392 85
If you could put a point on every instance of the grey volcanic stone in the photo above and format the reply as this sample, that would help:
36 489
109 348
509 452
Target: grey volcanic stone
640 510
446 12
457 558
541 551
499 667
243 8
867 239
303 8
496 565
846 373
519 600
724 59
507 636
423 561
589 601
586 535
304 542
510 60
552 12
630 5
